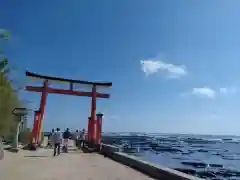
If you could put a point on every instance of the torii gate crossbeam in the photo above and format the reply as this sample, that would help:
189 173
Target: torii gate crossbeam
94 124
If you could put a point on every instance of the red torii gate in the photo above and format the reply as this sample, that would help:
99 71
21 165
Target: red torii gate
94 124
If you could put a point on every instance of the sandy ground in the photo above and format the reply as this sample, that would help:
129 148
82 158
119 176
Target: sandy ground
41 165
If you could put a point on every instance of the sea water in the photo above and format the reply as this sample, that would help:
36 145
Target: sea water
205 156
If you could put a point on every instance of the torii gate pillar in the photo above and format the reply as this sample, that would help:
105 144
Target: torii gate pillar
99 128
95 130
93 115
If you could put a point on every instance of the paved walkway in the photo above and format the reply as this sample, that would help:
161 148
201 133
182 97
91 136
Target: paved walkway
41 165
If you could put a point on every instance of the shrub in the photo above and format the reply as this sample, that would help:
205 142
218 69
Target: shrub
24 136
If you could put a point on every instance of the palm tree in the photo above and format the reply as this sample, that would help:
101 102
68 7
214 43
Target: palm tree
6 93
4 35
3 64
3 69
9 98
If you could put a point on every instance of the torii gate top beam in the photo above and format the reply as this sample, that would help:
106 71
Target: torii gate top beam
46 89
71 81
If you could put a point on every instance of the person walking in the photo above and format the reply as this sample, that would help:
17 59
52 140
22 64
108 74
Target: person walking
50 139
57 139
66 136
76 137
82 138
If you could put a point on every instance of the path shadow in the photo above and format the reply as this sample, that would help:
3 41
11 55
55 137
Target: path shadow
85 150
7 148
75 152
39 156
72 151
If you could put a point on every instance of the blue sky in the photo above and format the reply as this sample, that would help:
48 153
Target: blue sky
174 64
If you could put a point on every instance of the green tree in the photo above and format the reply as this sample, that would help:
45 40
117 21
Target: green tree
8 97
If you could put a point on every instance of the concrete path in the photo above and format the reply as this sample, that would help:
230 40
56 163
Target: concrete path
41 165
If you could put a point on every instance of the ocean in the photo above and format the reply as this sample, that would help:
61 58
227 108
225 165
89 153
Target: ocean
205 156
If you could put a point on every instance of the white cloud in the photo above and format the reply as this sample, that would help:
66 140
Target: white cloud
209 92
152 66
227 90
223 90
204 92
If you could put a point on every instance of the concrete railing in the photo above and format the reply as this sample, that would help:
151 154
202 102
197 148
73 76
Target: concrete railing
1 149
147 168
108 149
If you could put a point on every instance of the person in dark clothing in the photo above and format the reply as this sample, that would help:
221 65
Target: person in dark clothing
66 136
75 137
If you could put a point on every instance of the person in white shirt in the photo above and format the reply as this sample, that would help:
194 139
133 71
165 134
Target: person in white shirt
66 136
57 140
82 138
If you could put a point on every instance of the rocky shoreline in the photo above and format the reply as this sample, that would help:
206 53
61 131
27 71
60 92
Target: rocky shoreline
209 158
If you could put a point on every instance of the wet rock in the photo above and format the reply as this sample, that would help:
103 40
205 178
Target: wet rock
198 141
234 172
180 158
157 152
227 139
177 146
186 153
227 173
197 146
146 148
153 145
216 165
130 150
195 164
230 158
167 149
206 174
192 150
187 171
202 150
